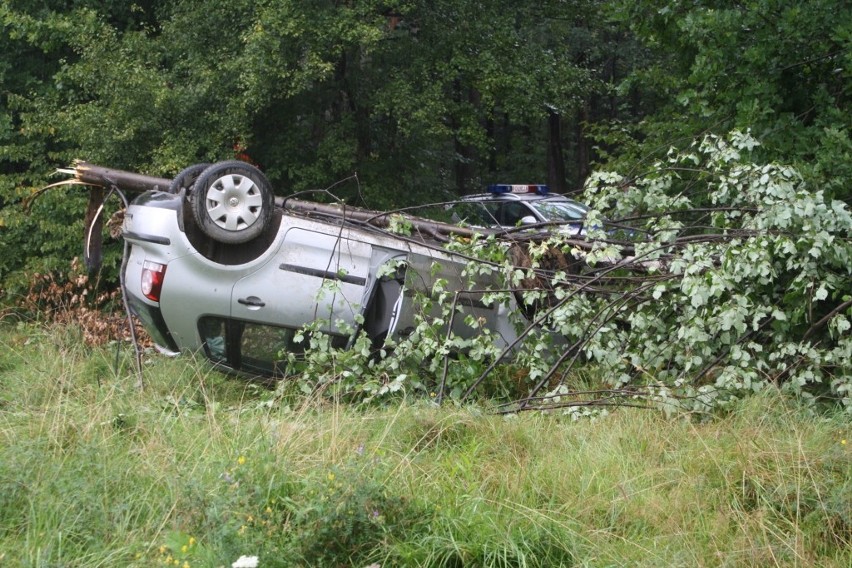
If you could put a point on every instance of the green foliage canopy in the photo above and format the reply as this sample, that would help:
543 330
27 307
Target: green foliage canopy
420 99
779 67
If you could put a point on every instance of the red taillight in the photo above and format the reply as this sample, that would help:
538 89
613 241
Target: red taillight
152 279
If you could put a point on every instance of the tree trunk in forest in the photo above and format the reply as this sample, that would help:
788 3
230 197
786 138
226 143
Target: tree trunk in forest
465 153
351 103
463 169
583 150
555 159
492 152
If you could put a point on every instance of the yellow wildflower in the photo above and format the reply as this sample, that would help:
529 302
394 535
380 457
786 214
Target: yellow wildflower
241 460
192 541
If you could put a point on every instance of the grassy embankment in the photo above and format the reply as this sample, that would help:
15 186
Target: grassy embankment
198 469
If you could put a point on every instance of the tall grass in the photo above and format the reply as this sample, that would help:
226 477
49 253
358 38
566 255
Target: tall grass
198 469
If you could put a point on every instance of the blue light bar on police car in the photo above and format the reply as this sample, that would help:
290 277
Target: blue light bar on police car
515 188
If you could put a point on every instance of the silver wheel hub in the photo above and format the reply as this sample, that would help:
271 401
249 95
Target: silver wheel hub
234 202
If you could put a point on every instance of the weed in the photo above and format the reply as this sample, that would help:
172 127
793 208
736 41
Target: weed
202 469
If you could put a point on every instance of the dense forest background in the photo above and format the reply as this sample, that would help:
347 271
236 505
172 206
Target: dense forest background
398 103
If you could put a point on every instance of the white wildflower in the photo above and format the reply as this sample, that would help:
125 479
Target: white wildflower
245 562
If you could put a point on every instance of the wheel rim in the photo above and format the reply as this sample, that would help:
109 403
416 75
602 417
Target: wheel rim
234 202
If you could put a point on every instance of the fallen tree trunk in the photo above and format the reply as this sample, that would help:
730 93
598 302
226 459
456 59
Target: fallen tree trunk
434 229
131 182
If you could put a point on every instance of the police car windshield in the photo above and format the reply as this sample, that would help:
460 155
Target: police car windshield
560 210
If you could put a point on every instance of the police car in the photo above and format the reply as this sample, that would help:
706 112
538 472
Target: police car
506 206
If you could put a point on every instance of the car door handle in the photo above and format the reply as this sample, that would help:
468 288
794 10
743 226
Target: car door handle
252 301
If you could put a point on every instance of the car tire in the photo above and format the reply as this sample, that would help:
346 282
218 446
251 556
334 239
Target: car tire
232 202
186 178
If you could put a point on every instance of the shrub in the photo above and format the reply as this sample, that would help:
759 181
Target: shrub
721 277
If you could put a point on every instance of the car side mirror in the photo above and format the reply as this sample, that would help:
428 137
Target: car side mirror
528 220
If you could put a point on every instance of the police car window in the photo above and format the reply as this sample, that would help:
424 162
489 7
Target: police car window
510 214
490 211
473 213
560 211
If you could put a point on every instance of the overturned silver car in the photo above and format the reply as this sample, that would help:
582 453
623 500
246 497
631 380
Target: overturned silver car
217 264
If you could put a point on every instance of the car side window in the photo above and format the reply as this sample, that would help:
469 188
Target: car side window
251 347
474 213
560 211
511 213
213 332
264 348
490 210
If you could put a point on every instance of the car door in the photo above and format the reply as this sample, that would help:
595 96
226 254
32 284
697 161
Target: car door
421 273
314 276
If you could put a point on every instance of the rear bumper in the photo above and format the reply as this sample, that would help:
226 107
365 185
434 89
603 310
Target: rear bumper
152 319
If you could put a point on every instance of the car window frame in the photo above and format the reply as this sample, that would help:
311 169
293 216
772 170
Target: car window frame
233 334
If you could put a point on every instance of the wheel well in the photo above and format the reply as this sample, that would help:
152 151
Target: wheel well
229 254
